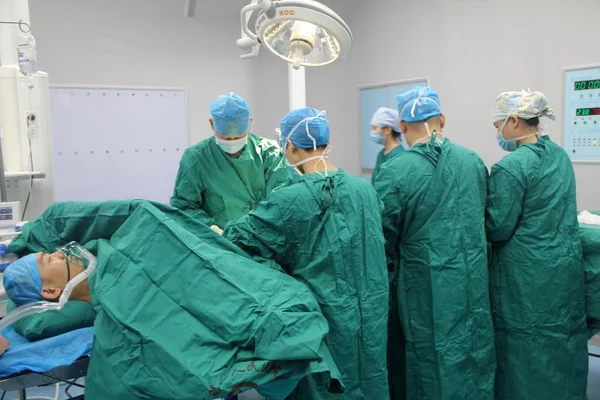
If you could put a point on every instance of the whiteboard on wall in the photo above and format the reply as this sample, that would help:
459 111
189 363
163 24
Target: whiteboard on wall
112 143
581 137
372 97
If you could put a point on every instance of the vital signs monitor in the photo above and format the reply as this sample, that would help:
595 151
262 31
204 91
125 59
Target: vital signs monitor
582 114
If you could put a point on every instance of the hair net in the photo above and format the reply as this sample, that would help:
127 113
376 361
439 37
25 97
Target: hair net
231 115
386 117
22 280
307 128
418 104
523 104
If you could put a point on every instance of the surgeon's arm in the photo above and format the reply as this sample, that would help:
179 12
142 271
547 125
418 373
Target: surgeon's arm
388 188
189 189
276 173
263 233
504 204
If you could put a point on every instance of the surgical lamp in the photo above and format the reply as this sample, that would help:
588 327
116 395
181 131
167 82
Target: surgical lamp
302 32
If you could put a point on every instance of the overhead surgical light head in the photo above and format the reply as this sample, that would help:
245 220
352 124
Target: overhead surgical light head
302 32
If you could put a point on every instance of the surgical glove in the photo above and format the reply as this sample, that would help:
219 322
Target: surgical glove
217 229
4 247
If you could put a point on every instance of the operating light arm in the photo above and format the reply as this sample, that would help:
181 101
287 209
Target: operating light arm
246 33
190 8
249 39
297 87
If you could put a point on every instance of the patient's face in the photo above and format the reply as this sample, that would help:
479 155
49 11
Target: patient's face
53 269
56 271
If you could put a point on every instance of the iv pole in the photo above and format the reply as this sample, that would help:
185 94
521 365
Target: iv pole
8 56
14 17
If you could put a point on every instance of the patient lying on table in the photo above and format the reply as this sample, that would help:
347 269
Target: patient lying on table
180 312
37 277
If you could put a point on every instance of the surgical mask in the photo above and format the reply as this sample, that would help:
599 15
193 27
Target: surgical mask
506 145
232 146
510 145
375 135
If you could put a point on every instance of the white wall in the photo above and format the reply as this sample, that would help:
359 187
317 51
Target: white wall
145 43
140 43
271 100
471 50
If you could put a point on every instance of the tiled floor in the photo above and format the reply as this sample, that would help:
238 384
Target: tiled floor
593 382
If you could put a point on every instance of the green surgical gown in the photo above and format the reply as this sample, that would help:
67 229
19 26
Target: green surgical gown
590 243
396 355
536 275
181 313
434 206
216 188
326 232
382 158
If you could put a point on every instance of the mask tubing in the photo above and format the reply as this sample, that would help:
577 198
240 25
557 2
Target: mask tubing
64 297
27 310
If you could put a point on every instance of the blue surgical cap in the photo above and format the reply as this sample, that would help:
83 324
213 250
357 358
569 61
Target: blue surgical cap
307 128
22 280
386 117
231 115
419 104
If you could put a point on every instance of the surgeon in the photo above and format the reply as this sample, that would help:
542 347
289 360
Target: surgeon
224 177
434 207
537 278
326 232
386 132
